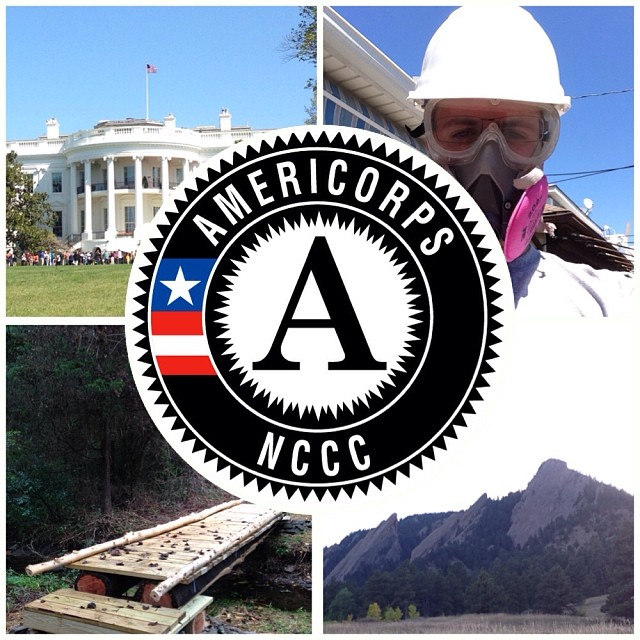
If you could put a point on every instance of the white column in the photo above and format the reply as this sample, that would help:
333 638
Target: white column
111 231
139 200
185 168
87 232
165 179
73 199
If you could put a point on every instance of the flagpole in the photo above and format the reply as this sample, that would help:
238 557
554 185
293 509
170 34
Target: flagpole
146 73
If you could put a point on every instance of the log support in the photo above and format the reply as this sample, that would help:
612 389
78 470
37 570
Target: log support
104 584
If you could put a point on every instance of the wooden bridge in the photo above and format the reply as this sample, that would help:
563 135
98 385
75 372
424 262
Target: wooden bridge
151 581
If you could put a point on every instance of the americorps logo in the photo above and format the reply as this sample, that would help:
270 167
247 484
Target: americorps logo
313 314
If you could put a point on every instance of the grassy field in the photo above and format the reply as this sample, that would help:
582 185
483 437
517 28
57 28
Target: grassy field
485 623
67 291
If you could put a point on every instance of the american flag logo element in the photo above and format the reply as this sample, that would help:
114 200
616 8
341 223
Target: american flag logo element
178 341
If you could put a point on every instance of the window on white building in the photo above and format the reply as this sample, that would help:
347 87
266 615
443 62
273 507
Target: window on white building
129 176
179 175
57 224
129 219
56 182
155 177
105 218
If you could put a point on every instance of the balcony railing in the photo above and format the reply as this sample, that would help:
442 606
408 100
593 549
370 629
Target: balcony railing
102 186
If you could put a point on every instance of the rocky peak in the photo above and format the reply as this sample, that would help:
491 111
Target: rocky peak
379 548
552 492
453 529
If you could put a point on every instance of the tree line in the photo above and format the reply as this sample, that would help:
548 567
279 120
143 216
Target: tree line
79 442
497 579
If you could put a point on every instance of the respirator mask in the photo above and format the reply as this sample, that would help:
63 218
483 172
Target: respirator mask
496 149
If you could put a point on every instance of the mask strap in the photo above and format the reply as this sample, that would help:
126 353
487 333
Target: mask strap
528 179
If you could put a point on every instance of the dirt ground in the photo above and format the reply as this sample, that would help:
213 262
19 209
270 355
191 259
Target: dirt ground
278 572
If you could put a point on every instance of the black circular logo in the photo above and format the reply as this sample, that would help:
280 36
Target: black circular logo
314 313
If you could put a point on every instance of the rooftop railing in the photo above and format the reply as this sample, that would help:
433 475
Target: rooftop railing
153 134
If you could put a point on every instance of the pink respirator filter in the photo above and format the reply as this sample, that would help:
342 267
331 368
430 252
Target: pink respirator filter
525 218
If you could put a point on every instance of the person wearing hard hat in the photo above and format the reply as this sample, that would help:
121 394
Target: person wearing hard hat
492 97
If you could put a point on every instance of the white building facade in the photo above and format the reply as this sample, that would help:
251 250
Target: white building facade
105 183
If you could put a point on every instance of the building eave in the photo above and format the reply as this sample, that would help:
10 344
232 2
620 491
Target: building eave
352 61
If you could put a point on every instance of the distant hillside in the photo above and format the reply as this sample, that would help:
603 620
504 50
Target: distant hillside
563 520
382 548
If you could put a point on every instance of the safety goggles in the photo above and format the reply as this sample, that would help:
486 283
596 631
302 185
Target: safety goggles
457 129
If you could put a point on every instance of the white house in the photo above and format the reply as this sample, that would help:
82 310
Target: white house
105 183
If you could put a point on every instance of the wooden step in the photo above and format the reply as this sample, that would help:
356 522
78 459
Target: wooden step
70 611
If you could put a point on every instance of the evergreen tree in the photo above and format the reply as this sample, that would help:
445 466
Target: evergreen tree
484 595
403 586
438 601
457 582
342 606
554 591
619 602
378 588
577 569
513 585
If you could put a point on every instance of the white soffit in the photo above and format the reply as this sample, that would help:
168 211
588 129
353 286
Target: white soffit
351 61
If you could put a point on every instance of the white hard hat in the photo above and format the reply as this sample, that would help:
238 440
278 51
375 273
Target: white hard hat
497 52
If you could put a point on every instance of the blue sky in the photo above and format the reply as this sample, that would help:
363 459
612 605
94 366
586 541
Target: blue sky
83 64
594 46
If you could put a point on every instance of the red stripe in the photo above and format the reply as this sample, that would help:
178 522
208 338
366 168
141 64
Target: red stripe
184 323
185 366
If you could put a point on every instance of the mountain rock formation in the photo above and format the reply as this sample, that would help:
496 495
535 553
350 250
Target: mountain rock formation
553 492
455 528
560 508
379 548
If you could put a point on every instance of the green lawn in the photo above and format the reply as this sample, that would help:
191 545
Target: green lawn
67 291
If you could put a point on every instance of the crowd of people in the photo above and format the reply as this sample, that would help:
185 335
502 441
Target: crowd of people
75 257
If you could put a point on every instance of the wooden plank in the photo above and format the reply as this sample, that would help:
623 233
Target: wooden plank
65 599
191 609
132 536
166 554
48 624
181 593
66 618
201 565
151 567
69 611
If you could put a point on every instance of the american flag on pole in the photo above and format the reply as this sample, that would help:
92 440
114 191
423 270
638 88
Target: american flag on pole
177 335
151 68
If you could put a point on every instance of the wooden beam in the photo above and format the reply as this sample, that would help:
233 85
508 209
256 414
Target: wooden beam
190 570
128 538
179 595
